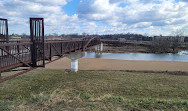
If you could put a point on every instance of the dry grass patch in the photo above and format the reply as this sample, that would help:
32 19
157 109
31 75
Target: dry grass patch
52 90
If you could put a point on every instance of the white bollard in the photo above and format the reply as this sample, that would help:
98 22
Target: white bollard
101 47
96 47
74 60
74 65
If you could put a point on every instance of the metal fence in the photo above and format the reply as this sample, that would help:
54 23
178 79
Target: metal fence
18 54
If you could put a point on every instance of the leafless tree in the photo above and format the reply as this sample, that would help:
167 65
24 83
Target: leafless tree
160 45
176 41
179 33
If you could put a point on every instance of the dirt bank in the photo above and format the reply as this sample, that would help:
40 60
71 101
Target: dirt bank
135 48
109 64
123 49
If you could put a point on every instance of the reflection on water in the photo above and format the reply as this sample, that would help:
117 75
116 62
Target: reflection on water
183 53
98 54
182 56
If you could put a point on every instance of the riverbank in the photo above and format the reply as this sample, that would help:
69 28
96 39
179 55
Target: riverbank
121 65
123 49
134 48
52 90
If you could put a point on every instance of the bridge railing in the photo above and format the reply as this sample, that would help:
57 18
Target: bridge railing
14 54
60 48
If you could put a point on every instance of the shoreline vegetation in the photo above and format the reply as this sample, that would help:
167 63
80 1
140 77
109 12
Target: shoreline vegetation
47 89
123 47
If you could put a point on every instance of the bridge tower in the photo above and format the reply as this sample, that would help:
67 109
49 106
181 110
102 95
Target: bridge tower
37 38
3 34
99 47
4 30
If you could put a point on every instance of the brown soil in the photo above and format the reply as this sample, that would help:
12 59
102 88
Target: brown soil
133 48
123 49
124 65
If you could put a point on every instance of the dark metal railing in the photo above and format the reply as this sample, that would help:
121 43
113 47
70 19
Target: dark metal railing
14 55
36 52
19 53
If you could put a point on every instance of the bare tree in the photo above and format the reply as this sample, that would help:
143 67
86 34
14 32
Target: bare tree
179 33
160 45
177 39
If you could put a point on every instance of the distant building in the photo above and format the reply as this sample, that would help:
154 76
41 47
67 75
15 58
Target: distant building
169 38
186 39
147 38
51 37
66 37
2 37
121 39
15 38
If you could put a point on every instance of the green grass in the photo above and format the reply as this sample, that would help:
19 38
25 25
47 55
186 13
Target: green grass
106 90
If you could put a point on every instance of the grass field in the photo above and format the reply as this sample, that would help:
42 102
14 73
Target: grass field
46 90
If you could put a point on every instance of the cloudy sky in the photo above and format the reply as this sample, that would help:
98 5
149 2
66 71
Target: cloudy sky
152 17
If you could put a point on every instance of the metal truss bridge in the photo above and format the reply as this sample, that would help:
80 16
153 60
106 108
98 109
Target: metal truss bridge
37 52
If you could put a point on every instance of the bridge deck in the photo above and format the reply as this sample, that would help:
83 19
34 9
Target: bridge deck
33 54
17 54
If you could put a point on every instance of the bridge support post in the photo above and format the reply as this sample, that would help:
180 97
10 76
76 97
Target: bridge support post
99 48
74 65
74 60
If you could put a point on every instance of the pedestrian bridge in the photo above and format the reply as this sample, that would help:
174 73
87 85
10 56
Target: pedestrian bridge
37 51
